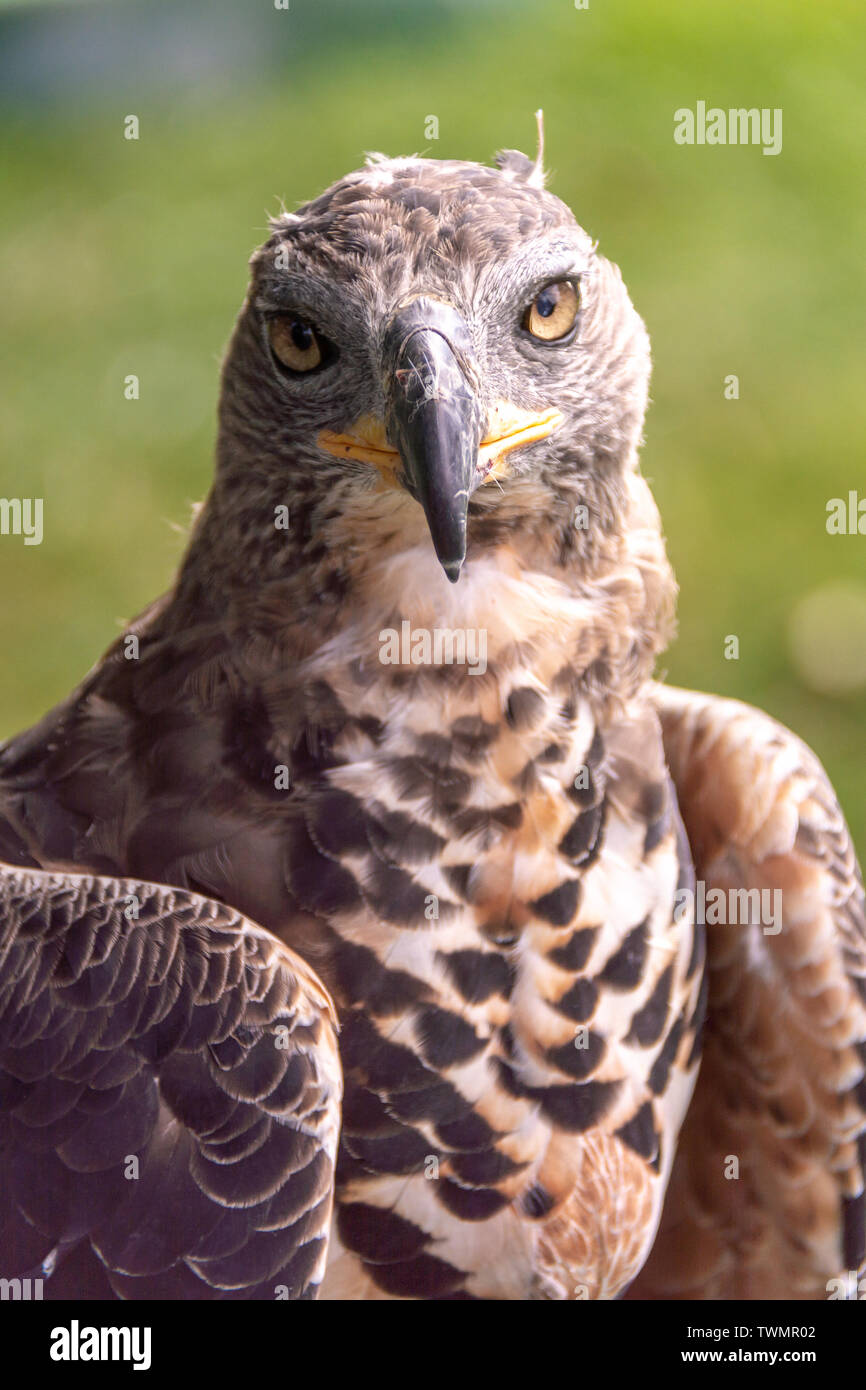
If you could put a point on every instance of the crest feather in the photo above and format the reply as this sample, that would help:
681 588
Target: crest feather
519 165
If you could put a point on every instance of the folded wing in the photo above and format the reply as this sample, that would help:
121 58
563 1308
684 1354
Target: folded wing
169 1095
766 1199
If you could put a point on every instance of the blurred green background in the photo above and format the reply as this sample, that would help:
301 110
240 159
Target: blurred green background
130 257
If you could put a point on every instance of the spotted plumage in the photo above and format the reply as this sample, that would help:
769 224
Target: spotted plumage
447 908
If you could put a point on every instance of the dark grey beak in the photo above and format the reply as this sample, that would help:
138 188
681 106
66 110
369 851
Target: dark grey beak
434 419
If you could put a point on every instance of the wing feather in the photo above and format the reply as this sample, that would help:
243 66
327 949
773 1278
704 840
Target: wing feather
170 1089
766 1199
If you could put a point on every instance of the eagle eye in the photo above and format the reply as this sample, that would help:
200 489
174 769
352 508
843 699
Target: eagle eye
296 344
553 312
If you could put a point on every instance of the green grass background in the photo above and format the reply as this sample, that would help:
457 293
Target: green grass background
119 257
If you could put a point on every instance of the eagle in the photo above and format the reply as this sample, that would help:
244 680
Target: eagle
373 924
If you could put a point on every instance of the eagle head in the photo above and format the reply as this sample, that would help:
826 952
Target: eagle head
432 354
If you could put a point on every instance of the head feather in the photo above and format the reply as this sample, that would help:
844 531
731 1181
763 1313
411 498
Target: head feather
519 165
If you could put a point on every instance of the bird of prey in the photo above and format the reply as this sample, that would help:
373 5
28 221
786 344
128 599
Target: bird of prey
373 924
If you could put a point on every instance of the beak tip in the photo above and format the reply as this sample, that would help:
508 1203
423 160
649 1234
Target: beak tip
452 568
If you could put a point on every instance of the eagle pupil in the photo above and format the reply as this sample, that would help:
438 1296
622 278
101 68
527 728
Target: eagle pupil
302 335
546 303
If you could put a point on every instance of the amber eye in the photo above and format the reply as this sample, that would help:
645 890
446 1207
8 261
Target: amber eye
295 343
553 312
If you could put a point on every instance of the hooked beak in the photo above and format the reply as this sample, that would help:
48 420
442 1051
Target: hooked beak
432 439
435 419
